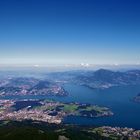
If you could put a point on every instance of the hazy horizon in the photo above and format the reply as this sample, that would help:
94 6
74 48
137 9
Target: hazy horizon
63 68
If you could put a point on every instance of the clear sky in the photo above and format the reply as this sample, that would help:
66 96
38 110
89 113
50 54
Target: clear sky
69 31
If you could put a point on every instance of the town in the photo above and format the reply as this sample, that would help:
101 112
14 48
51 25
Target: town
30 86
47 110
117 132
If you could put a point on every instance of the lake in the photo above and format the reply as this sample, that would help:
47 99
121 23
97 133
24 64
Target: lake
118 99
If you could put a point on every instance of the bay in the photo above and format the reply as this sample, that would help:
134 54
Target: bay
118 99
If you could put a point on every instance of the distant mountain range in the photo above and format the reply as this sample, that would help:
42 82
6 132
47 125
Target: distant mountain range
51 84
99 79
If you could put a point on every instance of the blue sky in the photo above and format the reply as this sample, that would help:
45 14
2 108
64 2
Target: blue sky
69 32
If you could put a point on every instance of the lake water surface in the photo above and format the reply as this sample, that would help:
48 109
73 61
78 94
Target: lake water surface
118 99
